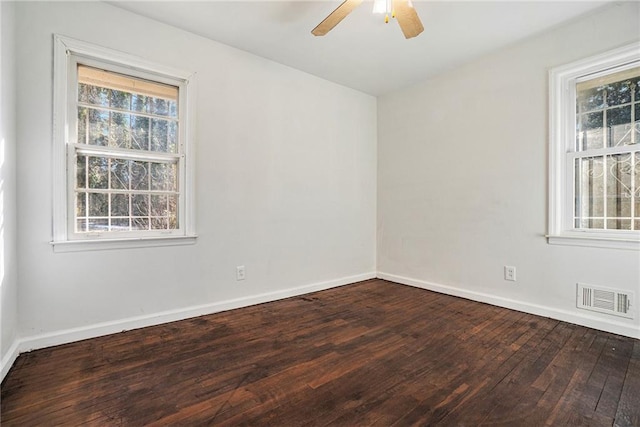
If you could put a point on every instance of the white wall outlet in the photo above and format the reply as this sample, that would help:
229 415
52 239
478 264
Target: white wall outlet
509 273
240 272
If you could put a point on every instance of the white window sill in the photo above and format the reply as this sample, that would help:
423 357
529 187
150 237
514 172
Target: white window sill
99 245
594 240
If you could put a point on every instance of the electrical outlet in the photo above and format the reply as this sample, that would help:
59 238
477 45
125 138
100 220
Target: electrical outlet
240 272
509 273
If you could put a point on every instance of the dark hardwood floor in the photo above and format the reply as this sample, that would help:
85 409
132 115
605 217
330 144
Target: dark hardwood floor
372 353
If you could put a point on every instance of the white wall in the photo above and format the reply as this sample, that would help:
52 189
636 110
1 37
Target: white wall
286 184
8 245
462 180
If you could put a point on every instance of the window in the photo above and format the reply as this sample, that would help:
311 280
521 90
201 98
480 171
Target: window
122 145
595 151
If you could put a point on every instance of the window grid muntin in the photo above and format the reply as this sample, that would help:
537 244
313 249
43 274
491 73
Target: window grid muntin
157 157
170 119
607 150
171 216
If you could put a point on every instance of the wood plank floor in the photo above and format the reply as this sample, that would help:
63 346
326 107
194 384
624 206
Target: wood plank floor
372 353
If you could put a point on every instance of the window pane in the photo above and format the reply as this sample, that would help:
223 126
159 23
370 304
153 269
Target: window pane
618 224
636 194
158 176
577 180
172 136
81 172
620 135
120 99
636 125
84 92
139 176
173 108
619 186
120 224
619 93
83 120
120 130
98 127
98 224
590 191
81 225
91 94
120 174
589 100
172 177
139 103
139 132
592 120
159 106
159 137
98 172
140 224
619 126
98 204
594 223
140 205
159 205
590 131
159 223
119 205
173 212
81 204
163 176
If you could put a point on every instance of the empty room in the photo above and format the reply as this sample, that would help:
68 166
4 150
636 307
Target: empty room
342 213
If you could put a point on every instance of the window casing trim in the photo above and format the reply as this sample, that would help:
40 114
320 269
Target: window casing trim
562 134
64 118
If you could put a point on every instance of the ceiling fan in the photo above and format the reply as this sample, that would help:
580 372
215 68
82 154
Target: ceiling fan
402 10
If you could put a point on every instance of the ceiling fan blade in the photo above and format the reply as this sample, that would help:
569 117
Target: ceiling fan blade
407 18
335 17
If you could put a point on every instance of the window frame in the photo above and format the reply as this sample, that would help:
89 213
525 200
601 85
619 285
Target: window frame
562 137
67 54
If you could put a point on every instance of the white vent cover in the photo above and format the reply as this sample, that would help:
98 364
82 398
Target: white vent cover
603 300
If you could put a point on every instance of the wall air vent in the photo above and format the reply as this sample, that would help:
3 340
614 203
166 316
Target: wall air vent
603 300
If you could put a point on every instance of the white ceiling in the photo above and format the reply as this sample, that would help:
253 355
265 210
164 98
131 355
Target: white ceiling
362 52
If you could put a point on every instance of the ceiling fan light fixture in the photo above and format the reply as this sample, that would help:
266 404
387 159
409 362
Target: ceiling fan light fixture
402 10
381 6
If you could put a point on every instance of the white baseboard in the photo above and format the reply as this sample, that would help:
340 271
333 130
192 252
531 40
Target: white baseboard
7 361
593 322
24 344
92 331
